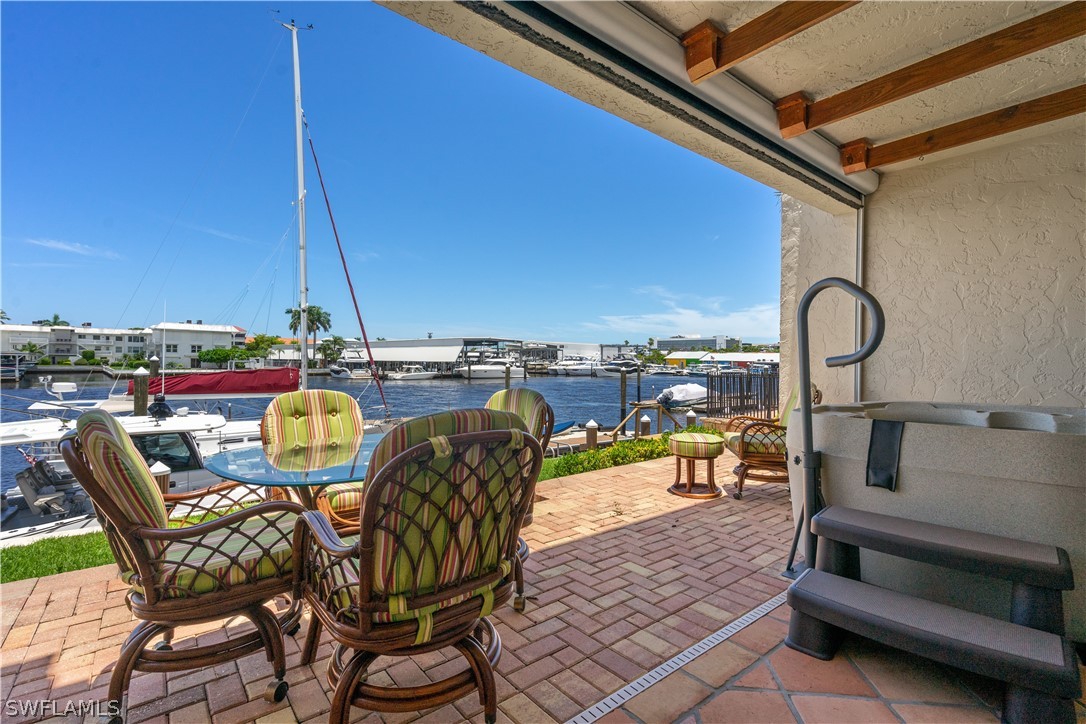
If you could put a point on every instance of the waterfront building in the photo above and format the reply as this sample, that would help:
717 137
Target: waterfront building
179 344
678 344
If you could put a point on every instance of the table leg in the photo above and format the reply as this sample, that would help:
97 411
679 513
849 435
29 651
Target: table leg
678 470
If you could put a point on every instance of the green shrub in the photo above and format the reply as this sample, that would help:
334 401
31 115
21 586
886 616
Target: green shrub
64 362
621 453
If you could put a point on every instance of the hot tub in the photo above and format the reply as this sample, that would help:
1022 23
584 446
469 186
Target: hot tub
1007 470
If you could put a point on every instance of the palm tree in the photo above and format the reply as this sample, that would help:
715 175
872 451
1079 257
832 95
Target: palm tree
32 350
56 321
4 317
331 348
315 318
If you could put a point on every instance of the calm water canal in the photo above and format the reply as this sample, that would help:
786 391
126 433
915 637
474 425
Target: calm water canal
573 398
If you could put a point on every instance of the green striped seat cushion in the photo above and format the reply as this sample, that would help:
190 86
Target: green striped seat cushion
121 471
310 414
261 546
695 445
766 443
528 404
344 496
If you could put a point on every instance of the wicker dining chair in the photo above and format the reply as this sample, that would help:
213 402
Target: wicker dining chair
444 500
538 416
304 415
203 564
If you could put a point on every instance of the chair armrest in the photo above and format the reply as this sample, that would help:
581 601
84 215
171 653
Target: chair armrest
316 545
736 424
763 437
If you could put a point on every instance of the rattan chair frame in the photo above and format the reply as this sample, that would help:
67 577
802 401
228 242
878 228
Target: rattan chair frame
321 581
523 551
771 467
160 615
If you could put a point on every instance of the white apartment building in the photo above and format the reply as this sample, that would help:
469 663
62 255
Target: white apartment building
179 344
68 343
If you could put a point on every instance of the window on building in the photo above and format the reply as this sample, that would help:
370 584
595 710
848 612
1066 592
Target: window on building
118 338
196 348
118 350
97 337
171 348
133 338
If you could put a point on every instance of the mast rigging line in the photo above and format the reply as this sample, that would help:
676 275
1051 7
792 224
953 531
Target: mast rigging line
346 272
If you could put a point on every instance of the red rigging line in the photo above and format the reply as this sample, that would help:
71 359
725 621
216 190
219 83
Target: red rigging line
346 272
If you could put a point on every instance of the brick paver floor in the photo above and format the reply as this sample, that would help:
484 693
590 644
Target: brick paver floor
624 576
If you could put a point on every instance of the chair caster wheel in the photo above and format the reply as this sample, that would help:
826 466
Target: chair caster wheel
294 629
737 496
518 603
163 646
276 692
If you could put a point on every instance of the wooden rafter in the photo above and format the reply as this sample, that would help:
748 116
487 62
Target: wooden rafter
796 114
711 50
860 155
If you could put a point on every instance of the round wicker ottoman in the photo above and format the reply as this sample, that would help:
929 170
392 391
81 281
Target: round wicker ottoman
693 446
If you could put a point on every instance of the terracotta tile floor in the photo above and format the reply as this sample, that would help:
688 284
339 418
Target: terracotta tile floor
625 577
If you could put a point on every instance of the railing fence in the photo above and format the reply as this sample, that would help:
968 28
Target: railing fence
755 393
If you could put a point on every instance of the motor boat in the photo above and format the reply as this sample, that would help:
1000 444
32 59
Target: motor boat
688 395
492 368
563 367
412 372
585 368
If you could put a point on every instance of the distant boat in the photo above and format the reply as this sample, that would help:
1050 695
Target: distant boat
412 372
584 368
491 369
615 368
687 395
666 370
563 367
340 370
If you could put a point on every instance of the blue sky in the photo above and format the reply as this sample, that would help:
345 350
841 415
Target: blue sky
148 171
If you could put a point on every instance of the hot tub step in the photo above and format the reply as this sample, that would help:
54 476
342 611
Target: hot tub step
1040 667
1034 564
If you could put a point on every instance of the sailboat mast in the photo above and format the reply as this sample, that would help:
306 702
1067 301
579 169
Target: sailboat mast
303 290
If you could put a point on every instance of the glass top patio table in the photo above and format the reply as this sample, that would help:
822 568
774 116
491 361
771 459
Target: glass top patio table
317 463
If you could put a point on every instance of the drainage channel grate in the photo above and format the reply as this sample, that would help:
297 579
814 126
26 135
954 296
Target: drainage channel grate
634 688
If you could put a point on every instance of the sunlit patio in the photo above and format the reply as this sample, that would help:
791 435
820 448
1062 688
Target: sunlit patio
626 578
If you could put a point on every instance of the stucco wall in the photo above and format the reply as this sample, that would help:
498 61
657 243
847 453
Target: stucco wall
980 265
815 245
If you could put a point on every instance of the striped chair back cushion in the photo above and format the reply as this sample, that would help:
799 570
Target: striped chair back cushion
525 402
435 529
297 417
120 469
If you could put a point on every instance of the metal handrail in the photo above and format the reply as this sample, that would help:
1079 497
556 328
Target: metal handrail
811 458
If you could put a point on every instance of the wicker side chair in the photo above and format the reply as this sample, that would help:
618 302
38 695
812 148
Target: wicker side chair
203 567
538 416
760 447
306 415
444 500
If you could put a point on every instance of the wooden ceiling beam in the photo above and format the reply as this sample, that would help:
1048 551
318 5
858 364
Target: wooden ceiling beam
796 114
860 155
711 50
